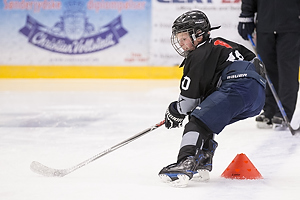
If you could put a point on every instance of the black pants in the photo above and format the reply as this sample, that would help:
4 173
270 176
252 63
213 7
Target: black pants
280 53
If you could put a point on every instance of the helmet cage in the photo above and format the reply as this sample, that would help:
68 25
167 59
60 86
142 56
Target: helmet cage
176 43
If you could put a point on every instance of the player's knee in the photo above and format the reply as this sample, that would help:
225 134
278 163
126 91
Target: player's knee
197 125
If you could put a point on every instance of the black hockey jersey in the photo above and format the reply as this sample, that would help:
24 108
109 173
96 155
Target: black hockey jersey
203 68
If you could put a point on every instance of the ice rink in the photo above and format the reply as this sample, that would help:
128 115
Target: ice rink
62 122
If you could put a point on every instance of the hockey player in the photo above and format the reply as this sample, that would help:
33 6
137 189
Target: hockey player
222 83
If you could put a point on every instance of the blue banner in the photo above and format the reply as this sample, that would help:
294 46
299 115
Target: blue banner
93 32
73 42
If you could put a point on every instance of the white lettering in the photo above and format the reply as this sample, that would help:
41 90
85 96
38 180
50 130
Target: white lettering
237 76
82 46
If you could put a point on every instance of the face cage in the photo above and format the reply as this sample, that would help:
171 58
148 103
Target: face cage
176 44
177 47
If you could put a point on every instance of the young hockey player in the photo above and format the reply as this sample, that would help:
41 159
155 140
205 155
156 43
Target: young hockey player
222 83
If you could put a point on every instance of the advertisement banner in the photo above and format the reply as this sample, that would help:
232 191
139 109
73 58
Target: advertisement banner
219 12
78 32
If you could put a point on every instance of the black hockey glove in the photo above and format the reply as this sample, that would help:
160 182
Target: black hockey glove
173 119
246 26
259 67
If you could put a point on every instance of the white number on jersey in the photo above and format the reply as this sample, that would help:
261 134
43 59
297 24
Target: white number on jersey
235 56
185 84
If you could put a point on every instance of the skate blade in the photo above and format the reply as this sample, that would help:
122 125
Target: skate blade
201 176
182 180
280 127
164 178
264 125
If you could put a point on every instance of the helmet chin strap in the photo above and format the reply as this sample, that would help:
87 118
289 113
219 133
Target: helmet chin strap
195 36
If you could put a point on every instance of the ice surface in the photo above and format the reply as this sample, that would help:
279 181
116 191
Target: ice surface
61 123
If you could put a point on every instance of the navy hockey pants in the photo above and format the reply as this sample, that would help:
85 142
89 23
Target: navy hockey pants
236 99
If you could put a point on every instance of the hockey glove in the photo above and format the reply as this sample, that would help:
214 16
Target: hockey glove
173 119
259 67
246 26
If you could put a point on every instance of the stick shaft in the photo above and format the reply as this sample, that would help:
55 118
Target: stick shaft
47 171
117 146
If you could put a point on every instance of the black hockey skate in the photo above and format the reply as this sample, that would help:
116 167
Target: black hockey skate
205 161
179 174
263 122
279 124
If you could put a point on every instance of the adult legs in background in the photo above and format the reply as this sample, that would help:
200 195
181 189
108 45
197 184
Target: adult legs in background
280 54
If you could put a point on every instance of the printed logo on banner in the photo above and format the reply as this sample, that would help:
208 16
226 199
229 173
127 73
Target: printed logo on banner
73 34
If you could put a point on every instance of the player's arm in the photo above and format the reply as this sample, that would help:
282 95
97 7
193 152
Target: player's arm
177 111
187 100
186 105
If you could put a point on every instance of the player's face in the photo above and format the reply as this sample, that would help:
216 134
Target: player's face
185 42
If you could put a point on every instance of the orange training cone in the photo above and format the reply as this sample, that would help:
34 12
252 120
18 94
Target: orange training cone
241 168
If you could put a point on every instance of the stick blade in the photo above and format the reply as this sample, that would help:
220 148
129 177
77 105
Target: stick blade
295 131
41 169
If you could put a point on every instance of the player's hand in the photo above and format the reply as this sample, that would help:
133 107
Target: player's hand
246 26
173 119
259 67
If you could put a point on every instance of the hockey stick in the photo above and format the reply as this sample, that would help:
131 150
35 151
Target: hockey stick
47 171
283 113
